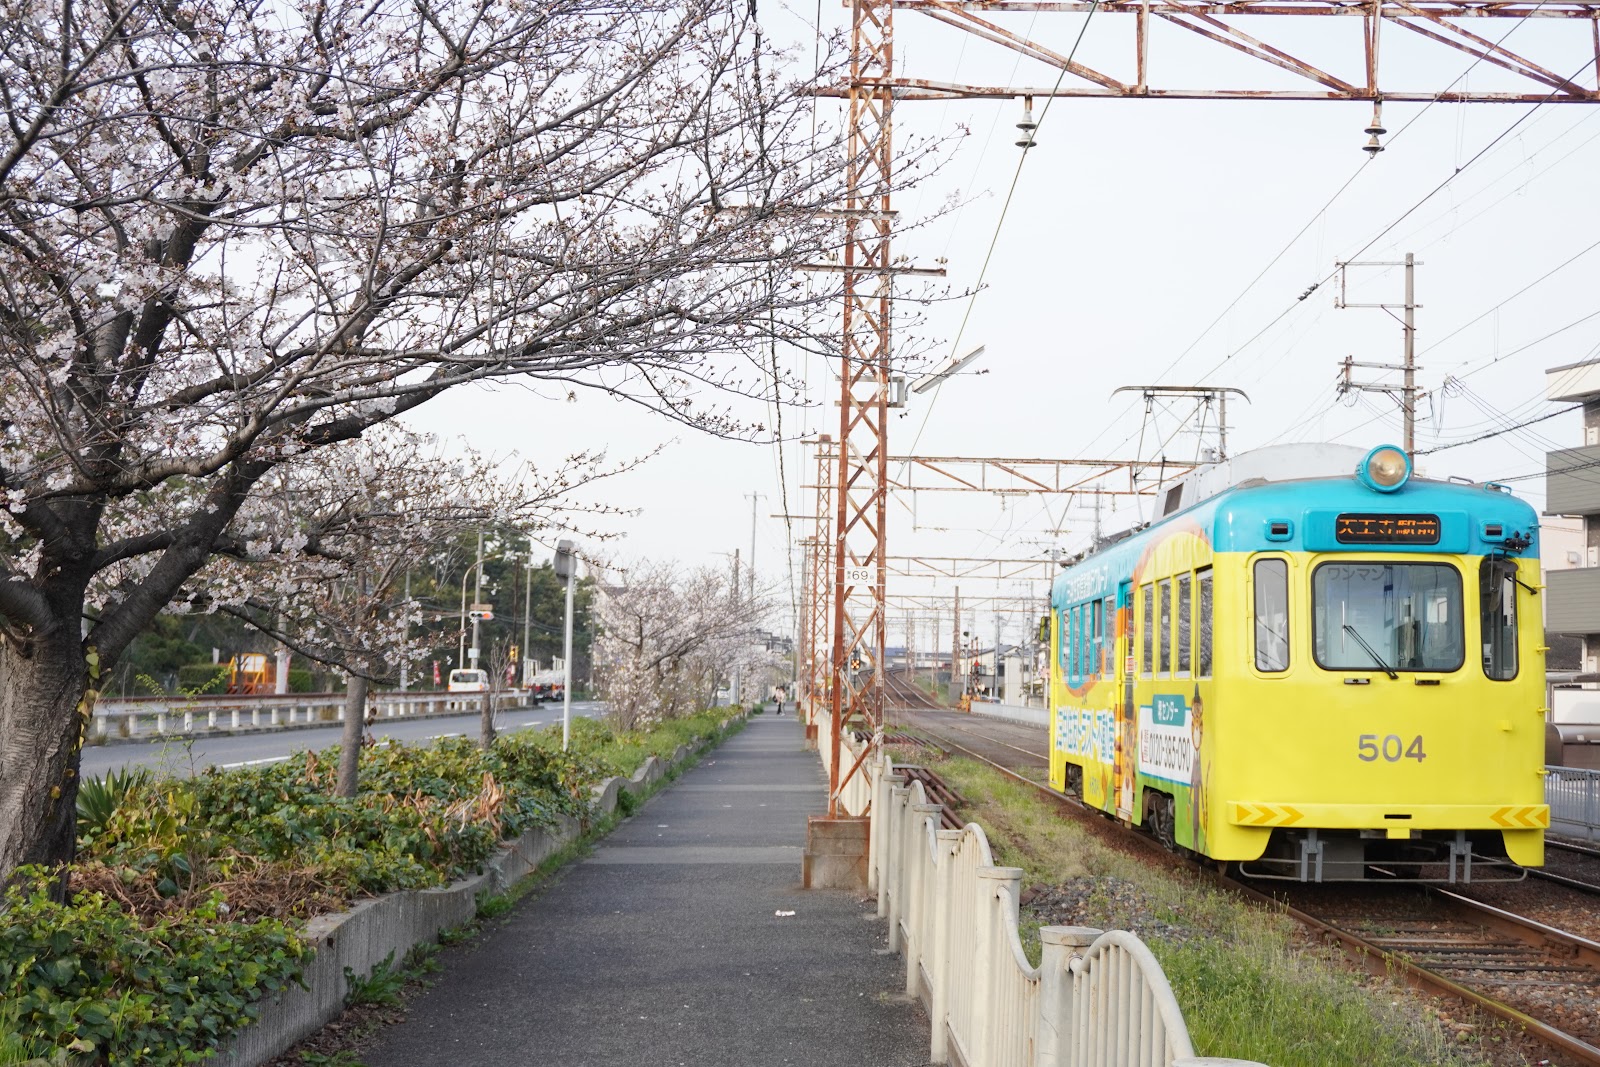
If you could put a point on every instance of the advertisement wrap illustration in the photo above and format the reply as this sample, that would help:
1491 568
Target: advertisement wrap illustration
1170 730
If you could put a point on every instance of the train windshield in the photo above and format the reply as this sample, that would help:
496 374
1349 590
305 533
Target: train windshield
1372 616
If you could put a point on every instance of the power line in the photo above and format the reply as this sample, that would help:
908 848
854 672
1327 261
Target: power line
1497 433
1407 213
1016 177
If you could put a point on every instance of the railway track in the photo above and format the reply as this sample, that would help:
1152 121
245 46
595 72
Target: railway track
1579 867
907 694
1543 978
1016 746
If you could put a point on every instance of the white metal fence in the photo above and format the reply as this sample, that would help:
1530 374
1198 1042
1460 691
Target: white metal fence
1097 999
1573 794
157 716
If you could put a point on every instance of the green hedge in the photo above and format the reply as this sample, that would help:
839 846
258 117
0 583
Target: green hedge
88 973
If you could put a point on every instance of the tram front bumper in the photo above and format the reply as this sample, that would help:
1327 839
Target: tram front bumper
1394 819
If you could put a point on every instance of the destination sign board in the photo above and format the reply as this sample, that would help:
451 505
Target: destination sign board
1364 529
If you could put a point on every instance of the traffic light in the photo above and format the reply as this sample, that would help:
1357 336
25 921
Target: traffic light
855 661
513 653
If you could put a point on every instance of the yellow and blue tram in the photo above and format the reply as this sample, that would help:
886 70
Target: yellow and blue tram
1311 672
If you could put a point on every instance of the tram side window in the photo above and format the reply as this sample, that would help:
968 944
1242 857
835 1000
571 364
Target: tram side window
1110 615
1075 635
1096 637
1063 637
1147 625
1497 606
1202 583
1185 631
1272 614
1165 622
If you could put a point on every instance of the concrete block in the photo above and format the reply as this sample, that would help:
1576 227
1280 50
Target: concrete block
364 936
835 856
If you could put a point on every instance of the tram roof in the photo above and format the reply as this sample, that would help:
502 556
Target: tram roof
1292 500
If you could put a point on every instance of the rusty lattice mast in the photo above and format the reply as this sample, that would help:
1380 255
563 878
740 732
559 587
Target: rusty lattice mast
1359 76
860 489
817 643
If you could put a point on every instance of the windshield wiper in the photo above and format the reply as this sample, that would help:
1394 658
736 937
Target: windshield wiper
1362 641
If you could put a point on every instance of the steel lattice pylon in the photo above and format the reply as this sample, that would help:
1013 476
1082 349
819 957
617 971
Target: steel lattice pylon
861 492
817 642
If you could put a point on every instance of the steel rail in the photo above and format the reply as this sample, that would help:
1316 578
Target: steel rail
1565 879
1381 961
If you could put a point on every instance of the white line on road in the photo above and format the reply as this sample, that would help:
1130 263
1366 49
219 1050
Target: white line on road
253 762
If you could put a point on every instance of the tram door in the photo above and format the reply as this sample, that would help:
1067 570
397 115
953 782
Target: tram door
1127 721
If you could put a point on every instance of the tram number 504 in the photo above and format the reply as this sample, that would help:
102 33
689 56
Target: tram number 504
1393 748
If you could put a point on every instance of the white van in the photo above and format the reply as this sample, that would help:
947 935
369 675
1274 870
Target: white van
468 680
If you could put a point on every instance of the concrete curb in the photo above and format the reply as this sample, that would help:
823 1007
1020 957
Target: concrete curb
363 937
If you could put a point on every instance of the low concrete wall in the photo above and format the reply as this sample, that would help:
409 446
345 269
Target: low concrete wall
363 937
1013 712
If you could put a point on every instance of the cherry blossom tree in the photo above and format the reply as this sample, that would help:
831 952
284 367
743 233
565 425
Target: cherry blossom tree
668 636
235 235
329 545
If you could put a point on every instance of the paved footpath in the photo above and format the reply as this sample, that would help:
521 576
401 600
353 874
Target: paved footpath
669 944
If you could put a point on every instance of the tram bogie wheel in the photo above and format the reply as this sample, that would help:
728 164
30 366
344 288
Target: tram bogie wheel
1075 780
1161 821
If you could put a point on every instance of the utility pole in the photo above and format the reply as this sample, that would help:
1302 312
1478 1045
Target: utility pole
955 649
735 694
477 598
911 645
754 497
527 614
996 676
1408 367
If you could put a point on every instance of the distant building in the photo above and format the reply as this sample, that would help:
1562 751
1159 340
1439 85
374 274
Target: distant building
1572 488
1562 547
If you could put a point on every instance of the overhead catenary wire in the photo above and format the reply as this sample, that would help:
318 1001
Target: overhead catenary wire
1321 213
1005 207
1429 195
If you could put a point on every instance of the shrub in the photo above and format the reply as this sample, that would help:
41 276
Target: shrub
424 816
100 797
88 973
196 678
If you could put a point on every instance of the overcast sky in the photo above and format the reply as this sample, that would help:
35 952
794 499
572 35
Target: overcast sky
1132 226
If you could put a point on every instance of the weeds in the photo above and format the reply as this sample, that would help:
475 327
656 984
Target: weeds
381 987
1245 989
342 1058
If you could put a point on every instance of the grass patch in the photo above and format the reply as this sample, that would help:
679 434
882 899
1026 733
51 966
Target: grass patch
1246 989
625 751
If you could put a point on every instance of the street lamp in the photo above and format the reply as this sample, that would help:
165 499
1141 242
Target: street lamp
566 566
944 370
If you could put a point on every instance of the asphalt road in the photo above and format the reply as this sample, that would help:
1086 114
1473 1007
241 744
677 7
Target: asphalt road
182 757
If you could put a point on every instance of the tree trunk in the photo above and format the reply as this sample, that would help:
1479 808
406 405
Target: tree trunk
486 738
41 729
355 721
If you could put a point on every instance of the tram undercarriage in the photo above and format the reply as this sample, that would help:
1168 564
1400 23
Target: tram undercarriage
1436 856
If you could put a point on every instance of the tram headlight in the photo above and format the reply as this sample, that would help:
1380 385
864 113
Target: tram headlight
1386 468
